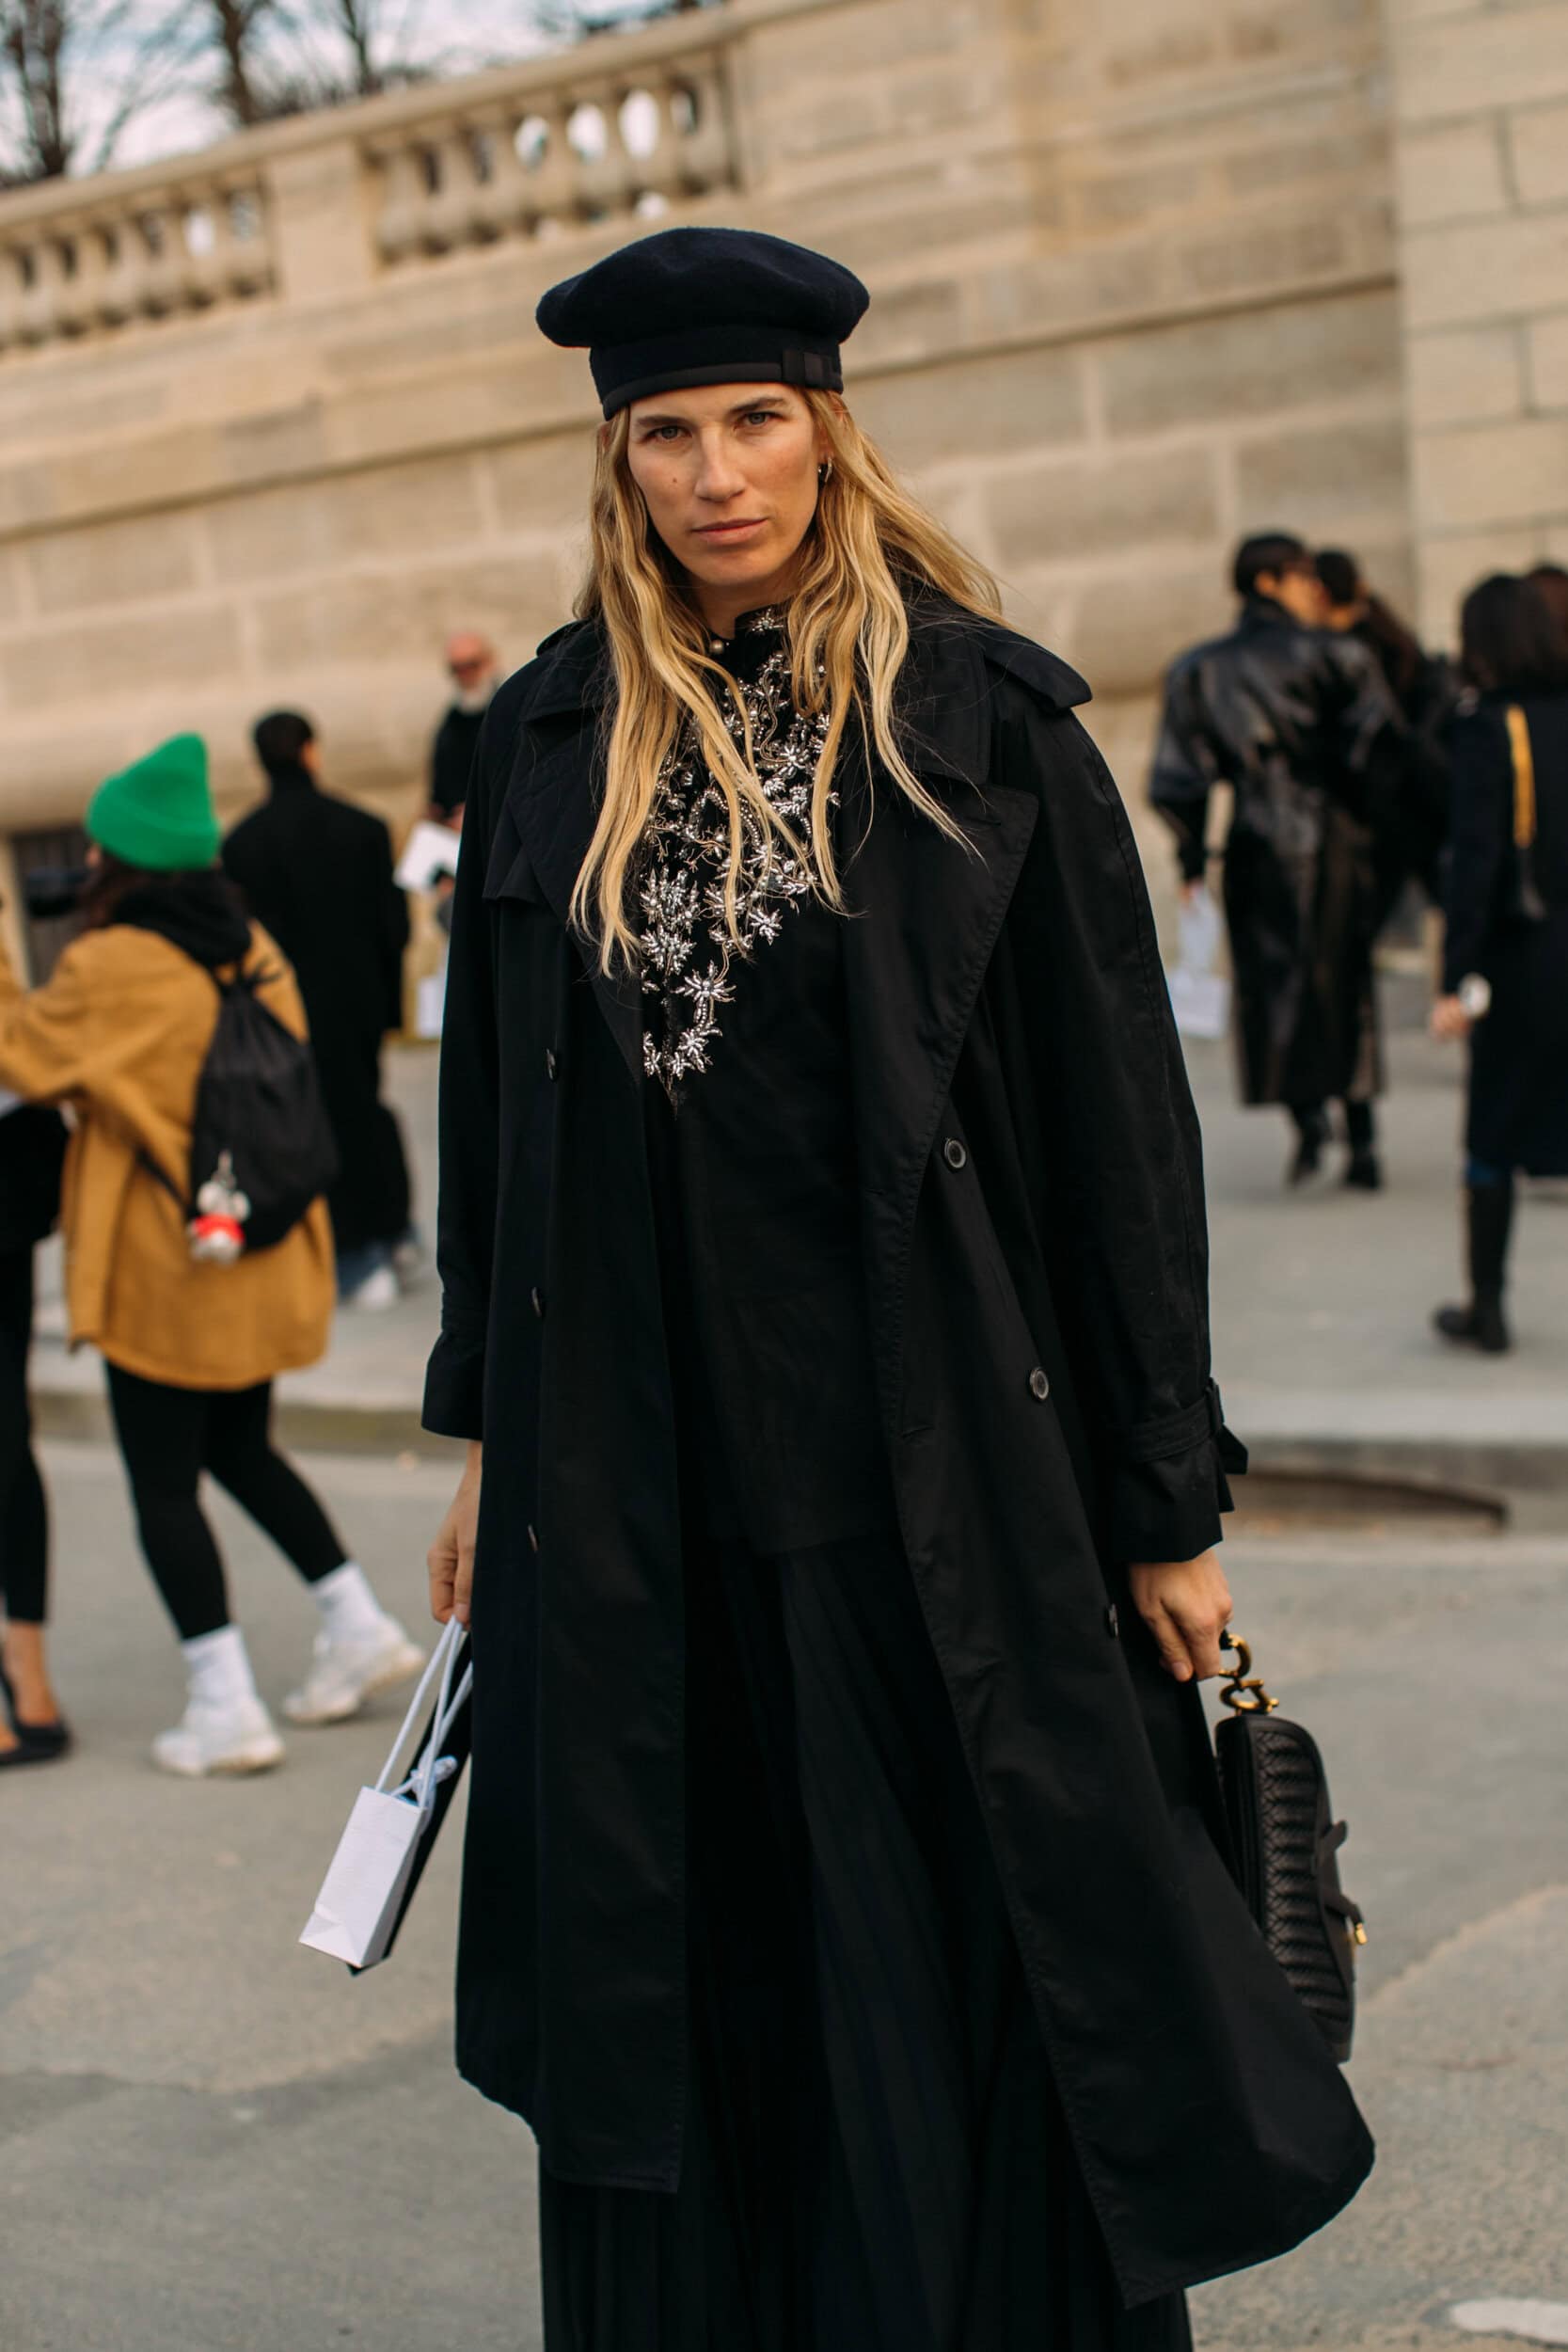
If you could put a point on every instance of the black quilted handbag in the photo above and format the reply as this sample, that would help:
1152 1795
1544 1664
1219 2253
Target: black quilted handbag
1286 1846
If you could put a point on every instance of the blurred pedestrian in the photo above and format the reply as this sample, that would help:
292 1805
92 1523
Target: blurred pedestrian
1505 963
1410 822
1300 723
317 873
824 1304
1550 581
475 674
122 1031
32 1145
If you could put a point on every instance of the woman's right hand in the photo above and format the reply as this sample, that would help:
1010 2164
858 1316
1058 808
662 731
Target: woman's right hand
451 1557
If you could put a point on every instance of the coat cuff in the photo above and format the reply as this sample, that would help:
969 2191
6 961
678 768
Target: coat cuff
1171 1482
454 1383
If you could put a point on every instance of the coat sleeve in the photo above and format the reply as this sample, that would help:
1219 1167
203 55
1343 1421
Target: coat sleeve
1482 831
1184 774
470 1121
1124 1165
394 928
87 1026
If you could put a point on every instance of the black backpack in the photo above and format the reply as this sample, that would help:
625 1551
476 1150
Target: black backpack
261 1150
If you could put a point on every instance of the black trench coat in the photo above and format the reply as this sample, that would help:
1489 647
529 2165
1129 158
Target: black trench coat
1518 1108
1301 723
1039 1327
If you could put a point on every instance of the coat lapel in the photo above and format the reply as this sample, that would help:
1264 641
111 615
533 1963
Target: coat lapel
925 917
929 913
552 802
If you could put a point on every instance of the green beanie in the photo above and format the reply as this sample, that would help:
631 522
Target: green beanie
158 813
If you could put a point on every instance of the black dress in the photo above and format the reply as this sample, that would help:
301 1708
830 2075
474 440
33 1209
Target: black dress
874 2160
1515 935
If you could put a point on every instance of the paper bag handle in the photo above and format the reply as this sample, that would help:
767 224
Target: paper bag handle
442 1662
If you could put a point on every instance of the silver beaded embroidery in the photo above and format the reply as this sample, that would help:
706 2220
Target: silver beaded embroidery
688 954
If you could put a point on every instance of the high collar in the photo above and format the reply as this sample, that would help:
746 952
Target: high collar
201 915
943 690
1263 612
296 777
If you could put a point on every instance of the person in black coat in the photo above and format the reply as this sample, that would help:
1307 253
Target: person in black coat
32 1147
1410 826
1505 959
824 1278
1301 725
475 674
317 873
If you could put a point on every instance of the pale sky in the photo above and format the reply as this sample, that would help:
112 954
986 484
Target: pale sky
454 36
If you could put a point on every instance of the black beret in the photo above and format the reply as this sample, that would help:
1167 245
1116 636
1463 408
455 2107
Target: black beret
706 306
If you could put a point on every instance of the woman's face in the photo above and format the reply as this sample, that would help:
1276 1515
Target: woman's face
729 473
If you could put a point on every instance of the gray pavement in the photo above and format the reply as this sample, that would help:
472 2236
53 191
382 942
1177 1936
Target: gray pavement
1322 1302
214 2140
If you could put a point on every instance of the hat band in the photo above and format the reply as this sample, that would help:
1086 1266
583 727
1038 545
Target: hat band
734 355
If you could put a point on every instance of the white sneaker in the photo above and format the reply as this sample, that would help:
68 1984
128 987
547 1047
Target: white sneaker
234 1735
345 1672
376 1293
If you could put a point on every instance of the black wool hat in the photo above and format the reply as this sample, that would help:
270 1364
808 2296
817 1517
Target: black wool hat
706 306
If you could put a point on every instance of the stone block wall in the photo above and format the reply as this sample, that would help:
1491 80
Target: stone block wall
1480 105
1133 294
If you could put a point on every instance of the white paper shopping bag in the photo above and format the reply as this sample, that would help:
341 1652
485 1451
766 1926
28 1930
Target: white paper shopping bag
361 1899
1199 995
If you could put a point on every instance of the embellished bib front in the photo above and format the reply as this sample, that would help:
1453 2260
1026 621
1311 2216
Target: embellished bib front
689 958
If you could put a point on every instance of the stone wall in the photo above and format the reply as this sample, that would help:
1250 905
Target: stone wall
1135 293
1481 97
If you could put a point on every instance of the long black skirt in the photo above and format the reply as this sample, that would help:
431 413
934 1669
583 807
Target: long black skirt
873 2157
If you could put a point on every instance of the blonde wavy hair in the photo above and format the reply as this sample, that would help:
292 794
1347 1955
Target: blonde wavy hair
868 545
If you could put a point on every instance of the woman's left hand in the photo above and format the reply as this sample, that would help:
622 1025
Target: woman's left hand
1186 1606
1450 1018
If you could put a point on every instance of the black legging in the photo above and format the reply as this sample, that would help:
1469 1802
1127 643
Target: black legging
23 1514
168 1436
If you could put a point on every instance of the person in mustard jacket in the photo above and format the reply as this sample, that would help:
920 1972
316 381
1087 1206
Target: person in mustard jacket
119 1034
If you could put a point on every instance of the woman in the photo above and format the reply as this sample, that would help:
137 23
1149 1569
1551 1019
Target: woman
1410 826
1505 959
32 1730
120 1032
824 1306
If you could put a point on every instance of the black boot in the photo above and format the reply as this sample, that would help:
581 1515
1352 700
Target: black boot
1311 1133
1363 1170
1489 1220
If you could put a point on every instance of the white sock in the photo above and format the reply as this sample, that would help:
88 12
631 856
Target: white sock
350 1610
218 1667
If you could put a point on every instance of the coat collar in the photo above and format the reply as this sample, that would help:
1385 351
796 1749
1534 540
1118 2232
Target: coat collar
946 691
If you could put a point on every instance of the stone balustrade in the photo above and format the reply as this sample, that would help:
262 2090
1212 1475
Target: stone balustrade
591 146
619 129
104 253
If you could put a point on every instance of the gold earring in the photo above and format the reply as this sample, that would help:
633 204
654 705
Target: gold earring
824 472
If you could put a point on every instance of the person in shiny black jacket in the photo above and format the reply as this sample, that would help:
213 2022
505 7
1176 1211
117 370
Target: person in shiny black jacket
1410 826
1505 963
32 1145
1301 723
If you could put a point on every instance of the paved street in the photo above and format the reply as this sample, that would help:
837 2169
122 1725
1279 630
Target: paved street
1321 1300
214 2140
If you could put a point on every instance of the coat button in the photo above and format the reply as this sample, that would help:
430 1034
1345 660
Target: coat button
534 1539
953 1152
550 1063
1039 1387
536 1300
1112 1623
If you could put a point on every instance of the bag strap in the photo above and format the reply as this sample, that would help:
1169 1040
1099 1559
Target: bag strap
1523 777
420 1780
